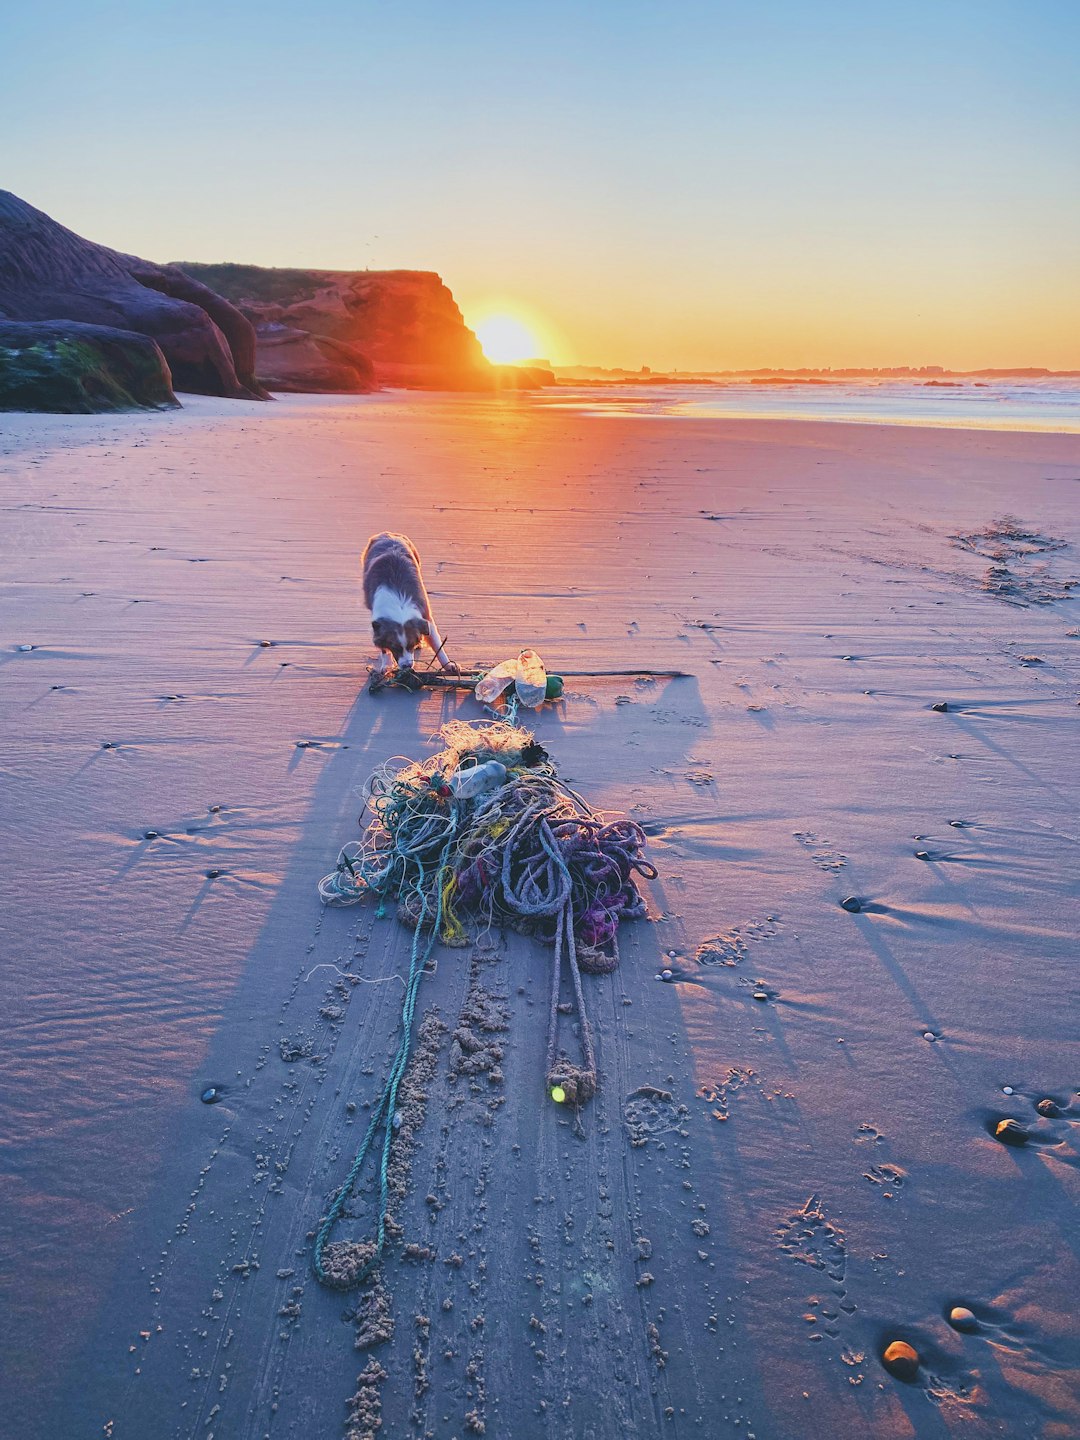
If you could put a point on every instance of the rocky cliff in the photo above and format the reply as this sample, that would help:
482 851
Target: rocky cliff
48 273
404 322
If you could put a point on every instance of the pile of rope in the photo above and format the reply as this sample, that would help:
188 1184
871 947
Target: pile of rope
485 829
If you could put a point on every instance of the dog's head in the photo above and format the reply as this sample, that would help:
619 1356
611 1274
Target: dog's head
399 640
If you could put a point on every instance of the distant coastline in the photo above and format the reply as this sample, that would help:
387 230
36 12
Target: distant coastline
927 374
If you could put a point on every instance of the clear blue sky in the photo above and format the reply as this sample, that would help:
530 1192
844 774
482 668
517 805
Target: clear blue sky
676 184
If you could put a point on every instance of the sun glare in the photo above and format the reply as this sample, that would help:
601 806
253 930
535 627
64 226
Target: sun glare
505 340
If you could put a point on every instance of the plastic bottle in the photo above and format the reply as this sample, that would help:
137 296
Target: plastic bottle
531 680
466 784
497 680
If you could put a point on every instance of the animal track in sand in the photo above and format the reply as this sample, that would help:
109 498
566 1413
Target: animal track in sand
730 947
737 1078
823 857
649 1111
811 1238
889 1177
869 1135
663 716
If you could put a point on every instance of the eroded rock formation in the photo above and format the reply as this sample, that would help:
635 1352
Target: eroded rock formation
49 273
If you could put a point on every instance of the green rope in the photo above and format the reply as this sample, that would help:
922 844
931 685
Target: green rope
386 1105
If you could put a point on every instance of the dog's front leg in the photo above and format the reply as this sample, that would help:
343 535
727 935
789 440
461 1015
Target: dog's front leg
435 640
383 663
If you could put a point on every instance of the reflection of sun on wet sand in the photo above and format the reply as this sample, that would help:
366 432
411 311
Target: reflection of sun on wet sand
793 1161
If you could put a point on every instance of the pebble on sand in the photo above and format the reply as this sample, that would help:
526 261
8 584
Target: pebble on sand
211 1095
942 707
1010 1132
1007 1090
761 994
852 904
922 855
26 648
666 975
901 1359
1048 1108
961 1318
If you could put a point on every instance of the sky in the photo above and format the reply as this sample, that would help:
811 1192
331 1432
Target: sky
673 184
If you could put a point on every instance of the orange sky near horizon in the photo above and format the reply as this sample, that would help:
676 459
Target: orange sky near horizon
700 186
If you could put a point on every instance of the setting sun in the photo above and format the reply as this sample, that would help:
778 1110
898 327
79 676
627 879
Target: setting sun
506 340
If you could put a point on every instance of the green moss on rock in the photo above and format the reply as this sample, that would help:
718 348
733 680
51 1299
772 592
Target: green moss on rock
68 368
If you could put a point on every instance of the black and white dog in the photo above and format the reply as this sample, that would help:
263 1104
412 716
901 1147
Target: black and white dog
394 591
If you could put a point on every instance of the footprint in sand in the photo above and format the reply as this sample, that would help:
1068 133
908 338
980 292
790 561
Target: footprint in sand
649 1111
812 1239
718 1094
869 1135
831 861
730 947
889 1178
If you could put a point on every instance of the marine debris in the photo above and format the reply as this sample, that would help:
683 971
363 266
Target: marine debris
485 830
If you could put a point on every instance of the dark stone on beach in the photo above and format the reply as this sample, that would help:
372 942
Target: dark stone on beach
65 368
1049 1109
852 904
1011 1132
214 874
901 1360
922 855
48 273
961 1318
941 707
211 1095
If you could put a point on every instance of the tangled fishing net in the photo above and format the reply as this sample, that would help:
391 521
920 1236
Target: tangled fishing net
527 851
485 832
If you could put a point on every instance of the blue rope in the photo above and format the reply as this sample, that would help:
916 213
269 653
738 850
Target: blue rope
386 1105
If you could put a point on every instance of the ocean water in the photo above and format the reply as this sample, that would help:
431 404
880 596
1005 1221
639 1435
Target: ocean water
1050 406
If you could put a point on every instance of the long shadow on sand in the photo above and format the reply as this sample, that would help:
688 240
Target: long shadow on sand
524 1220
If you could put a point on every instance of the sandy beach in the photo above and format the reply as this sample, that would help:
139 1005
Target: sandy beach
791 1159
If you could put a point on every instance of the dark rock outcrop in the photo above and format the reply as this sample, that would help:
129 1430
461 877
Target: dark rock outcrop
47 272
290 359
69 368
405 322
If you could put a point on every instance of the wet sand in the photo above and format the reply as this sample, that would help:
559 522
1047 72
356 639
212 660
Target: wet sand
791 1160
